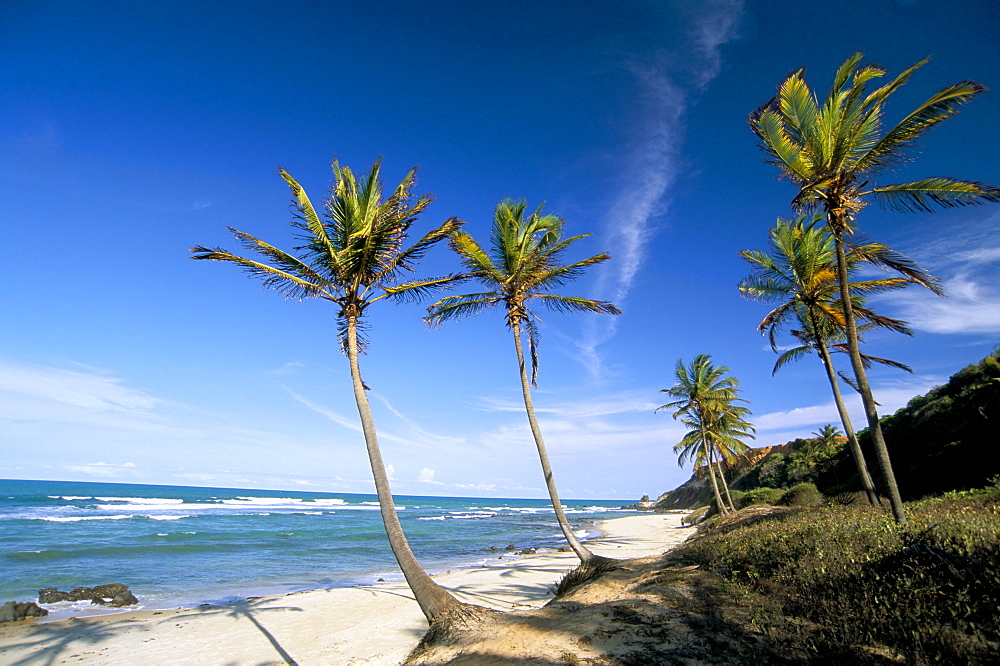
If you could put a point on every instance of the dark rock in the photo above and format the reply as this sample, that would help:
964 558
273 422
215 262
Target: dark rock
113 594
526 551
511 547
14 611
494 549
51 595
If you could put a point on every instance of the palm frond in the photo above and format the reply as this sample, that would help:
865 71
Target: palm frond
575 304
790 355
283 282
923 195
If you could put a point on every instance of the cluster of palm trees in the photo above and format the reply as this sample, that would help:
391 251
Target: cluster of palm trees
705 401
834 149
355 254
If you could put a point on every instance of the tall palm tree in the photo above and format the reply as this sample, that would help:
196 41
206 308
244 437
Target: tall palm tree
523 264
353 257
834 150
705 399
800 272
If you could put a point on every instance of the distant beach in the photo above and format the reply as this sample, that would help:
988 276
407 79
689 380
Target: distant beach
365 624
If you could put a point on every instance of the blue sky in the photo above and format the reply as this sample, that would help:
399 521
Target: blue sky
133 131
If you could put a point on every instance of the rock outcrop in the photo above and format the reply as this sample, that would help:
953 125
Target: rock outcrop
14 611
114 594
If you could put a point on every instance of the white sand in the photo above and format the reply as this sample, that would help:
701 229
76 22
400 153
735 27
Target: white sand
359 625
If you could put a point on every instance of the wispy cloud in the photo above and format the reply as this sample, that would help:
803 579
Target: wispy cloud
84 395
970 278
654 160
339 419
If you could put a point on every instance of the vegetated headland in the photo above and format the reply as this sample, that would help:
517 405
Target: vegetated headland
806 571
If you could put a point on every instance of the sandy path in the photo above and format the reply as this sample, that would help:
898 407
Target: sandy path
359 625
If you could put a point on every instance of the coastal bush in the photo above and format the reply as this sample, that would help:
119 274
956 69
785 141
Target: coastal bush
762 495
850 585
801 494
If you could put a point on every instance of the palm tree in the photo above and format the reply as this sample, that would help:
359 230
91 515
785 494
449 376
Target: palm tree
353 258
522 265
704 402
800 272
833 151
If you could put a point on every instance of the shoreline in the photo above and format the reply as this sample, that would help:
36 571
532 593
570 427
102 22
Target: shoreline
366 624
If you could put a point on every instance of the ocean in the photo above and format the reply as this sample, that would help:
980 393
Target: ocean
178 546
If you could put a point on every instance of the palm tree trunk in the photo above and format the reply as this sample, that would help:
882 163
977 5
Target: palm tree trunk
432 598
845 419
725 485
574 543
871 411
711 474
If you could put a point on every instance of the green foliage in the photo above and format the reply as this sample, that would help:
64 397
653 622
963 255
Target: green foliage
763 495
935 437
845 580
802 494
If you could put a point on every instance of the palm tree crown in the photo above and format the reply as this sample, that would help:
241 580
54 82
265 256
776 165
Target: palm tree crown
834 150
355 256
800 272
522 265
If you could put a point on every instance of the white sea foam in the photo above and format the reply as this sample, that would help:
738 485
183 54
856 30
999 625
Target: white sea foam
167 517
140 500
75 519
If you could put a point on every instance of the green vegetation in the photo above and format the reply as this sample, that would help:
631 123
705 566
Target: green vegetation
523 264
834 151
845 584
354 257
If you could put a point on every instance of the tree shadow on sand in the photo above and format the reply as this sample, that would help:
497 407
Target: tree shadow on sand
249 609
46 643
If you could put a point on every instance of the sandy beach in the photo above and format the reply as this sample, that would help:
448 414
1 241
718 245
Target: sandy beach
359 625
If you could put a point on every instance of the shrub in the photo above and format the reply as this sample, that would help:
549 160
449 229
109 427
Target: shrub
849 585
802 494
761 495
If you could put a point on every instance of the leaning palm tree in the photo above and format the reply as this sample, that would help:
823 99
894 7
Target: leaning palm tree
800 273
353 257
522 266
705 399
834 150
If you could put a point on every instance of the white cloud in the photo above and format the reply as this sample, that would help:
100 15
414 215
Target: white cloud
970 278
104 470
801 421
426 475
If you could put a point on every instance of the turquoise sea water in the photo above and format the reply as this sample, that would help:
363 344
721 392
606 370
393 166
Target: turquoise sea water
184 546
